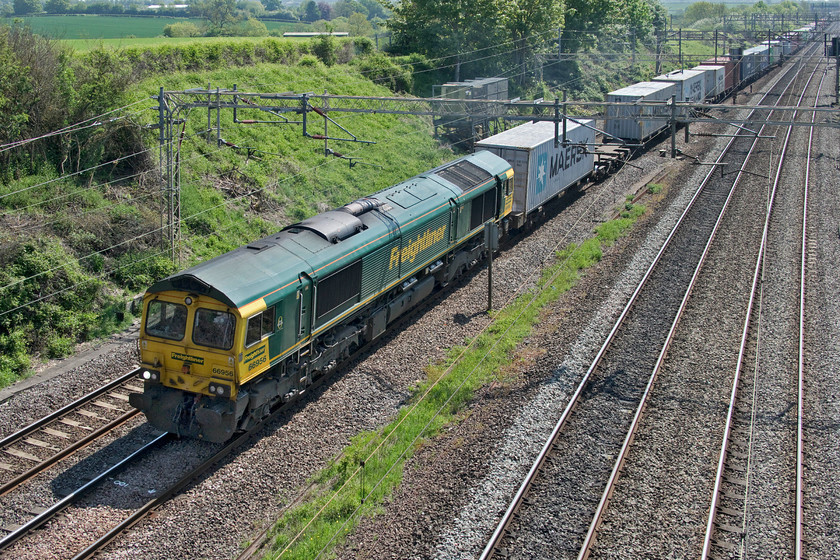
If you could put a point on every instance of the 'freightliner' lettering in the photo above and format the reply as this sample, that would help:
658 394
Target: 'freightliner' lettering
410 251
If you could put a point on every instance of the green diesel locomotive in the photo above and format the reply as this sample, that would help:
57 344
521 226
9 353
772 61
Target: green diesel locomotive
227 341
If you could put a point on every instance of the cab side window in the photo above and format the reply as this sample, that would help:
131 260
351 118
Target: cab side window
259 326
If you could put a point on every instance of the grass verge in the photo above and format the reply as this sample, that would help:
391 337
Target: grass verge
370 468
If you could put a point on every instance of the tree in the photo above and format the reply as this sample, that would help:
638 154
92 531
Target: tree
449 30
253 28
529 23
703 10
57 6
326 11
346 8
221 15
585 20
310 11
374 9
359 25
23 7
252 7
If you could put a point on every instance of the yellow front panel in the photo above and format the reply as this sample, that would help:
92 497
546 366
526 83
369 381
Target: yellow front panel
508 204
205 364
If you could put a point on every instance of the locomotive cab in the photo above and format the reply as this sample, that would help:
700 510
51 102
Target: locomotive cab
189 365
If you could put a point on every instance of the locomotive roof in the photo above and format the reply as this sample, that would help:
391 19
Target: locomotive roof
329 240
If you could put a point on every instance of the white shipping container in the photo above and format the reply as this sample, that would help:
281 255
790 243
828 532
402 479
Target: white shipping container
542 170
715 79
637 123
690 86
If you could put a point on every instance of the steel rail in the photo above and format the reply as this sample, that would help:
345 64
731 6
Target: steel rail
190 477
800 385
50 512
10 439
75 446
509 514
707 540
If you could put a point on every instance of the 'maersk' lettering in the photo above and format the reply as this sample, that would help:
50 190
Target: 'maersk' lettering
565 159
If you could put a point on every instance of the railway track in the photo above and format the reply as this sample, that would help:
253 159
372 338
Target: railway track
598 426
736 513
38 527
49 440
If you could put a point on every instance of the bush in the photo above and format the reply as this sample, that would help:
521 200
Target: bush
59 346
309 60
364 46
324 49
182 29
384 71
14 357
139 271
253 28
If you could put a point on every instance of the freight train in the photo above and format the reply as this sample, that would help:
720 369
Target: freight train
712 80
226 342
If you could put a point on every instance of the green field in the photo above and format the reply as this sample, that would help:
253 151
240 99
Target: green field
118 27
83 45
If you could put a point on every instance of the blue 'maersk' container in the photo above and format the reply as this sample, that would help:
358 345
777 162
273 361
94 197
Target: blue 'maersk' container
541 169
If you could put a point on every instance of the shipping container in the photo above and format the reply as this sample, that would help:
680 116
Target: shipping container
731 75
690 87
715 79
748 65
758 57
541 169
479 88
638 123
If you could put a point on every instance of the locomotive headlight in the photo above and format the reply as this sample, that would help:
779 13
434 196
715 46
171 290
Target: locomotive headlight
188 300
149 375
219 390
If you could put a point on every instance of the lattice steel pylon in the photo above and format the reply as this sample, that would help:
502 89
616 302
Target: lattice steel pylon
170 226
